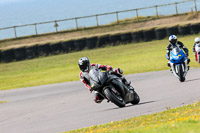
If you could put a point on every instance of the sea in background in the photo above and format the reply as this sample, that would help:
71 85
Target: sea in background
20 12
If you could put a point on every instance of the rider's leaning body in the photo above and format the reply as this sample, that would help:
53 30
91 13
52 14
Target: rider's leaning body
85 67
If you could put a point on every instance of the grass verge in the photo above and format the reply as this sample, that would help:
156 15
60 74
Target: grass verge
184 119
132 58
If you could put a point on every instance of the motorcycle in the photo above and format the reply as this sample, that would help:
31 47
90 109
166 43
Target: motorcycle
178 63
112 88
197 52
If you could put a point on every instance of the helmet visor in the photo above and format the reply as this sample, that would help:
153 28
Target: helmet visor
84 67
173 41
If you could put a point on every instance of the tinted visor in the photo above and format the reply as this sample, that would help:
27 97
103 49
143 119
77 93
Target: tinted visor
84 66
173 41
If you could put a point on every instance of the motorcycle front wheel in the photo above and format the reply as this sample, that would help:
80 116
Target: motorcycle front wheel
180 73
116 99
136 99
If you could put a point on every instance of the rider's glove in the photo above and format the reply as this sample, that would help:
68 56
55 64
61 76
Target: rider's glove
109 68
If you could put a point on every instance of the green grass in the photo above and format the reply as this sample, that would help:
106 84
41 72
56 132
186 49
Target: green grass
132 58
184 119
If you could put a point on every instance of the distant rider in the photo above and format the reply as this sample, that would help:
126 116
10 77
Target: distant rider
174 43
196 42
85 67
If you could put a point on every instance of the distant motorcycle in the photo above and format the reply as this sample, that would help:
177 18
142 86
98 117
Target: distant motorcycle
197 52
112 88
178 63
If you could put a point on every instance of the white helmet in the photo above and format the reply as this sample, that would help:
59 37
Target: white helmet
197 40
173 39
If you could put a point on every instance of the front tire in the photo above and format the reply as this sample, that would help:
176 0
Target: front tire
182 79
136 99
117 100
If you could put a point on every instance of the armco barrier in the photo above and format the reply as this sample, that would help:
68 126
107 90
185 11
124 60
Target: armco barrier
7 55
173 30
160 33
137 36
32 51
79 44
20 53
184 29
68 46
103 40
91 42
56 48
149 35
195 28
126 37
115 39
44 49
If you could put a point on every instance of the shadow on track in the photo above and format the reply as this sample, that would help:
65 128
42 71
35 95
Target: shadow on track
129 106
192 80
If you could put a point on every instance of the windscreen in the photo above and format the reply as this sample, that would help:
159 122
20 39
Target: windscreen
176 50
94 74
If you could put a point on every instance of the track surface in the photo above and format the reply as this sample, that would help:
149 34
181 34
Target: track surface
66 106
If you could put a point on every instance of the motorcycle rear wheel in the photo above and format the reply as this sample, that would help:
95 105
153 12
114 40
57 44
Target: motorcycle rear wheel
117 100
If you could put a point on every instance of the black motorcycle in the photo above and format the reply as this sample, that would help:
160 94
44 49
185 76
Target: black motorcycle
112 88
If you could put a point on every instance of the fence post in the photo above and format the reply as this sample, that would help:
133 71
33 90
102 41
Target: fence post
117 17
36 29
195 5
137 15
176 8
157 11
56 26
15 32
76 23
97 20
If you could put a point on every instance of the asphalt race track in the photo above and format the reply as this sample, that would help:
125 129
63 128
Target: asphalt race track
62 107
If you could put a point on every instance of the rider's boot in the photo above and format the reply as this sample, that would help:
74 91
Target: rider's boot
98 98
168 64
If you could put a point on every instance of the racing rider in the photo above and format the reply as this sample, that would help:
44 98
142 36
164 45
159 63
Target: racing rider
85 67
174 43
196 42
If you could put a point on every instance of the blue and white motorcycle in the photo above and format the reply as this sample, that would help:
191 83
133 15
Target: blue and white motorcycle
178 63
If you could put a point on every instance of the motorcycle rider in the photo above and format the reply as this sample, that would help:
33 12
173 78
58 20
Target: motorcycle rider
174 43
85 67
196 42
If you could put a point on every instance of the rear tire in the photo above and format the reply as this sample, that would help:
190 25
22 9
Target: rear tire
136 99
113 98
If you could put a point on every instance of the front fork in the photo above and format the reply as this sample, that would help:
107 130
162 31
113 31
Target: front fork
174 68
